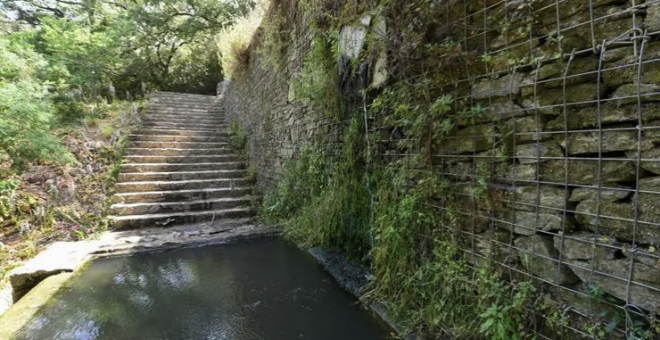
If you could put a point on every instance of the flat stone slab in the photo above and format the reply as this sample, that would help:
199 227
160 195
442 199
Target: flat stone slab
58 258
66 257
192 235
27 308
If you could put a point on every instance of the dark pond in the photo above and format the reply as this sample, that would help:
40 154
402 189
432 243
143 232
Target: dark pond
264 289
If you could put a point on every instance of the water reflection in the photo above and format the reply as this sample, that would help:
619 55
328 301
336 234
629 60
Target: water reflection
259 290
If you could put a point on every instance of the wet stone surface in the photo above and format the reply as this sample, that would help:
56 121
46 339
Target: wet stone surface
263 289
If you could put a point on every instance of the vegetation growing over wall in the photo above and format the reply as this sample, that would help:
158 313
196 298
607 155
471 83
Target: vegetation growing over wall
486 163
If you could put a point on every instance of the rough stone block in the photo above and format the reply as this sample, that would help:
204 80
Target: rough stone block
634 93
617 220
586 171
528 223
470 139
610 113
537 152
550 199
646 298
578 143
527 129
508 85
543 266
497 247
581 246
606 195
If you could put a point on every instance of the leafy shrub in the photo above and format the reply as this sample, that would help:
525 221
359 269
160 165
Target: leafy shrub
26 110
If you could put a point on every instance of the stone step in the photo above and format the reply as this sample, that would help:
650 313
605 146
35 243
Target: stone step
196 98
179 195
164 220
175 138
182 185
176 152
185 119
158 94
182 132
182 111
182 159
166 167
201 108
124 209
183 100
192 125
192 130
219 119
177 145
180 175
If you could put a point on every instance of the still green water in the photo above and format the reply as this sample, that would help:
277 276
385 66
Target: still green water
264 289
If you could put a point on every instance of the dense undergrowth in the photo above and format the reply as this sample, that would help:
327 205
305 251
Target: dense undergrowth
398 217
50 201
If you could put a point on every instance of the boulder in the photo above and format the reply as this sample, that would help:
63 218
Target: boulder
537 254
537 152
581 246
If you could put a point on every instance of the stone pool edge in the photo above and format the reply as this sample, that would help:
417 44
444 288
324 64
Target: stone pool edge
354 278
69 257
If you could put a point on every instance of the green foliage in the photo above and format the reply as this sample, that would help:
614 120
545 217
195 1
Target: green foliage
506 318
318 82
25 108
237 138
325 201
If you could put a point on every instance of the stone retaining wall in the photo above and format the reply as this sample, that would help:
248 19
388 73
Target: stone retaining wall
569 145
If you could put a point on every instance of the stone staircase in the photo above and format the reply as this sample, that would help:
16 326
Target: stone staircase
179 168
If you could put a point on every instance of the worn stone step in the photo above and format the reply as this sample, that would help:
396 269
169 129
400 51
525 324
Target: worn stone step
124 209
182 107
182 100
167 167
151 130
179 195
177 145
160 94
182 159
182 118
189 130
185 119
175 138
182 132
208 99
192 125
182 112
182 185
164 220
176 152
180 175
